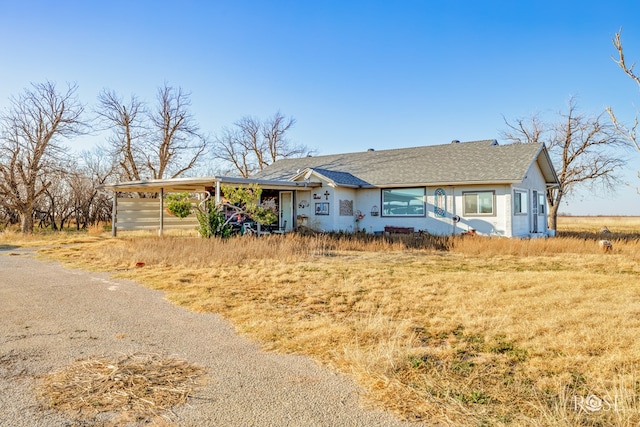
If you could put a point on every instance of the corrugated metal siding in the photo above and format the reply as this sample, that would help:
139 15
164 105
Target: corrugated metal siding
144 214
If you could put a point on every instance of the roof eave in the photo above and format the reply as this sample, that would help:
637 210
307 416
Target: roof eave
182 184
447 183
551 170
330 182
199 184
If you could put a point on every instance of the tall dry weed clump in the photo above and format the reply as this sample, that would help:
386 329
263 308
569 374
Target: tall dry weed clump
565 243
197 252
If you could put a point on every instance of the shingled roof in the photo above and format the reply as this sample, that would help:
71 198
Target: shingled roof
450 164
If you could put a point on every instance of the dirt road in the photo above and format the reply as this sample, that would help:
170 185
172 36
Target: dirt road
51 316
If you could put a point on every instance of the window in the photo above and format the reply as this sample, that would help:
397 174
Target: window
480 203
541 204
520 202
403 202
440 203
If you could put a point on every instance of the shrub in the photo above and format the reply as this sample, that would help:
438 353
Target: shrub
248 199
212 222
178 204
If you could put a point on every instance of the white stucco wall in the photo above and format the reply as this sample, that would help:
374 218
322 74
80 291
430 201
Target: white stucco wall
366 200
303 207
345 223
322 222
501 222
523 225
487 224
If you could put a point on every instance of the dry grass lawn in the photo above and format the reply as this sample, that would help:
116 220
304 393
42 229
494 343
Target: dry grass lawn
457 331
617 224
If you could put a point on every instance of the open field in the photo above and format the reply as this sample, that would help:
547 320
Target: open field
457 331
594 224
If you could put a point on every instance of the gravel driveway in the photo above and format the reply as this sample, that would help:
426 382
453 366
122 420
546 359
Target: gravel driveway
51 316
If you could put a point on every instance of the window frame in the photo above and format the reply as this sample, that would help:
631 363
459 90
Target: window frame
477 193
542 203
518 202
384 211
440 203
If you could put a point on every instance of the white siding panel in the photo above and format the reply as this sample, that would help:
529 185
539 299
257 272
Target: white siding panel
144 214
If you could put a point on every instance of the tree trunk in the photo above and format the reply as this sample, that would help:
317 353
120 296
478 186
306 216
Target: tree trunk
554 196
26 221
553 217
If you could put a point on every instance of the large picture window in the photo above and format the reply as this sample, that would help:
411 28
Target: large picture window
478 203
403 202
520 202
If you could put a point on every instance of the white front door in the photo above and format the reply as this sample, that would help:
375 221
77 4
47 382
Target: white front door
286 210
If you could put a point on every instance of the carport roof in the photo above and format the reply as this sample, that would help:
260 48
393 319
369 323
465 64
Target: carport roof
201 184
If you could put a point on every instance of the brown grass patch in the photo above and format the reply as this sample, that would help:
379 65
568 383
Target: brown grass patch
595 224
456 331
47 238
137 387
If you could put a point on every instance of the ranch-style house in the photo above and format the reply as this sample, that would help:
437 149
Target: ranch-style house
478 187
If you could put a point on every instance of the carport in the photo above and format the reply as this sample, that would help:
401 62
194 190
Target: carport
147 211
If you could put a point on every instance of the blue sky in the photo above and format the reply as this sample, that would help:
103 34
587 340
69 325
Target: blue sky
354 74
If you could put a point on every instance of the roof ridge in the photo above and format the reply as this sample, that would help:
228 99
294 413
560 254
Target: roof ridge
386 150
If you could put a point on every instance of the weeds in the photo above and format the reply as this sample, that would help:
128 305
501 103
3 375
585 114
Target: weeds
457 331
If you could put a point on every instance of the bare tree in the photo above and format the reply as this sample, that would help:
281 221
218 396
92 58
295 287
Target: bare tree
91 206
57 206
253 144
275 142
8 216
31 134
73 196
175 144
583 149
234 148
126 120
523 131
158 143
630 133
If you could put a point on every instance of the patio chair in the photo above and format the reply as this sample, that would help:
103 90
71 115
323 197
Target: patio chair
282 229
